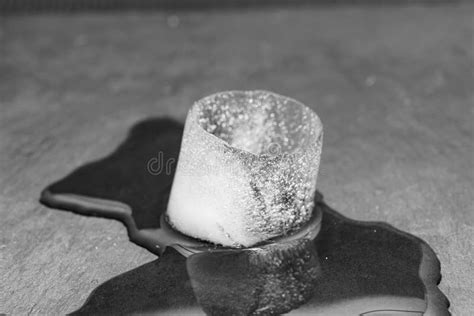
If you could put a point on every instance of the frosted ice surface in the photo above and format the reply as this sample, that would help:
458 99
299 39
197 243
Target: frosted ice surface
247 168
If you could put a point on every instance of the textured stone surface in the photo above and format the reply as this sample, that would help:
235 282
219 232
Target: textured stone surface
393 87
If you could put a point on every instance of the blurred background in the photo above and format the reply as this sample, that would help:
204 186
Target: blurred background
95 5
391 80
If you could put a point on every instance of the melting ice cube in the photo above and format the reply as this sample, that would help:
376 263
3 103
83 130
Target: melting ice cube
247 168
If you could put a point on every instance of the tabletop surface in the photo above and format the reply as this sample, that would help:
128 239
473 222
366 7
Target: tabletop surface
392 85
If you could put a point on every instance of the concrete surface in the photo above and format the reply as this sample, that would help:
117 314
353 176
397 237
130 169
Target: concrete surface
393 87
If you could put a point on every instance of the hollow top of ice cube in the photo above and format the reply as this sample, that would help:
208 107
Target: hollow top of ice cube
259 122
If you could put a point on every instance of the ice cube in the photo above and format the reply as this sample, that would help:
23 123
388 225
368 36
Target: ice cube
247 168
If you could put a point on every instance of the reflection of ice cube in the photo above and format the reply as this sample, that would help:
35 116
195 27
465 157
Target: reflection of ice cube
247 168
